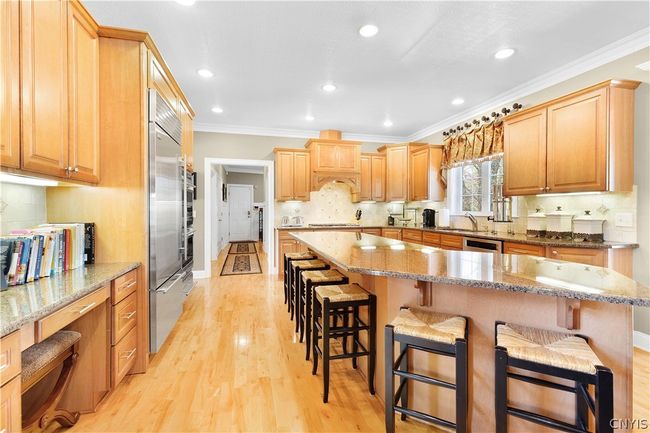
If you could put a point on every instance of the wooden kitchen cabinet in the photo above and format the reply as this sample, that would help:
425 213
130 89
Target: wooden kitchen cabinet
44 83
335 156
373 178
587 256
287 244
525 249
524 159
10 406
161 83
10 82
291 174
424 173
431 239
451 242
397 158
83 95
392 233
371 231
187 136
412 235
580 142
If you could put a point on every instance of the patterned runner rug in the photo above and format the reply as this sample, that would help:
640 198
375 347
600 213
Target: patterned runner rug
242 248
241 264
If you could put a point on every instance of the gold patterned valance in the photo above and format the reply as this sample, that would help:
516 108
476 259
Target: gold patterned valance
480 142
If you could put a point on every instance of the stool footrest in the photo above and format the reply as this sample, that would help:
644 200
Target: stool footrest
425 417
545 420
424 379
541 382
350 355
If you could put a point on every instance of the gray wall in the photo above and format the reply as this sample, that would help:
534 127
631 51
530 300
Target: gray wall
257 180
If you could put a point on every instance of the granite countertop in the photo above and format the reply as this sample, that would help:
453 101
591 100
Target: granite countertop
30 302
519 238
374 255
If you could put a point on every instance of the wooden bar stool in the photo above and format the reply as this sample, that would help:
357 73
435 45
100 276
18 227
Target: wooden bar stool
311 279
562 355
288 257
330 301
37 362
297 267
436 333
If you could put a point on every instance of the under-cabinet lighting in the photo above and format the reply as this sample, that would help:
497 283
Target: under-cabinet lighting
564 194
292 201
398 201
398 247
427 250
25 180
369 247
566 285
368 202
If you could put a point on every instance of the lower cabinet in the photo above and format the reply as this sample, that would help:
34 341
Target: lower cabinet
124 337
412 235
376 232
431 239
451 242
286 244
587 256
392 233
123 357
10 412
525 249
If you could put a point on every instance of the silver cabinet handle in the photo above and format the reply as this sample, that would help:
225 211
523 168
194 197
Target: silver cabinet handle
170 286
86 308
76 170
129 315
554 253
129 354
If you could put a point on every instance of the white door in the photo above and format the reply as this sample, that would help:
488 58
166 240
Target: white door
240 203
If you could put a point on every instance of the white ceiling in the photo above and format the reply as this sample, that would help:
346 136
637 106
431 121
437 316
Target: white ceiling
270 58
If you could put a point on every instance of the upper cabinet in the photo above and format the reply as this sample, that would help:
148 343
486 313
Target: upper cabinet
334 159
373 178
424 173
578 143
58 72
187 136
291 174
10 82
397 160
160 82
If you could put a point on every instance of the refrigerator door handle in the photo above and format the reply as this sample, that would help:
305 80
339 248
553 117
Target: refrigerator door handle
176 280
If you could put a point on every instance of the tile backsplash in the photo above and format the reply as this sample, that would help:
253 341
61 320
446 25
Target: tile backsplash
21 206
333 204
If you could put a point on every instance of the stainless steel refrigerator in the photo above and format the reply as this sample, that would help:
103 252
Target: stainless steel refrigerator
166 213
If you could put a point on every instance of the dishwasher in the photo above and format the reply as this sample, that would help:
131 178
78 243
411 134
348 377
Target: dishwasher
482 245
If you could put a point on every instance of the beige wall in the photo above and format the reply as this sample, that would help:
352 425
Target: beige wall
257 180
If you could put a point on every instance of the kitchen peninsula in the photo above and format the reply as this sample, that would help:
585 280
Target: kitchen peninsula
484 287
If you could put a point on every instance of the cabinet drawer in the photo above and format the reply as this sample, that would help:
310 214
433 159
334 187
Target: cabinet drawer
66 315
412 235
124 317
451 242
123 355
586 256
123 286
376 232
9 357
530 250
392 233
431 239
10 415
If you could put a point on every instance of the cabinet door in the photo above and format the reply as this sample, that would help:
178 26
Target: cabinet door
436 188
525 249
284 175
44 75
9 79
348 157
577 143
301 176
586 256
187 135
83 96
10 412
392 233
366 178
285 246
327 157
378 169
396 173
419 174
524 155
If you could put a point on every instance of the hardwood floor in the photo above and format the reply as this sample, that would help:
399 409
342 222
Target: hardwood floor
232 364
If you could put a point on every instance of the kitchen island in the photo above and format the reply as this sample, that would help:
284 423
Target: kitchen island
486 287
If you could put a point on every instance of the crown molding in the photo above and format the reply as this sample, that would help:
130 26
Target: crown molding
290 133
621 48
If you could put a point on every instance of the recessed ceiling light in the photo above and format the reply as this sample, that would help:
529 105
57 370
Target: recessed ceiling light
185 2
328 87
388 123
205 73
504 53
217 110
309 117
644 66
368 31
458 101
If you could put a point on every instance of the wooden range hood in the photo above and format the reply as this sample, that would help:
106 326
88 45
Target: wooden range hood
334 160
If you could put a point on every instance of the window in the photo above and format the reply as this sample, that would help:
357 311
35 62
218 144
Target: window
471 186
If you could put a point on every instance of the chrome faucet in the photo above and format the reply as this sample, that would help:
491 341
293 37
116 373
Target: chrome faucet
472 218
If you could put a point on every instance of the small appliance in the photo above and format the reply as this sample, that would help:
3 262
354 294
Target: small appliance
429 218
391 220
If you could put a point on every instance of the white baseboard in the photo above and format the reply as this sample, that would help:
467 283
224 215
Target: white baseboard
641 340
197 275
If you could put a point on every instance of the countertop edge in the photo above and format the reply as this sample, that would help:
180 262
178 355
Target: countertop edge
482 235
480 284
7 329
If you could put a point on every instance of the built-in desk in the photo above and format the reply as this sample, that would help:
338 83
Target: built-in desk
100 302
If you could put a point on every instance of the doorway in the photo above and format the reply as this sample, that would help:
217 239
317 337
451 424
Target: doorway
240 212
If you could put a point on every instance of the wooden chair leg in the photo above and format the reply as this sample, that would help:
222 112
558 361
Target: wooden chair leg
48 412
